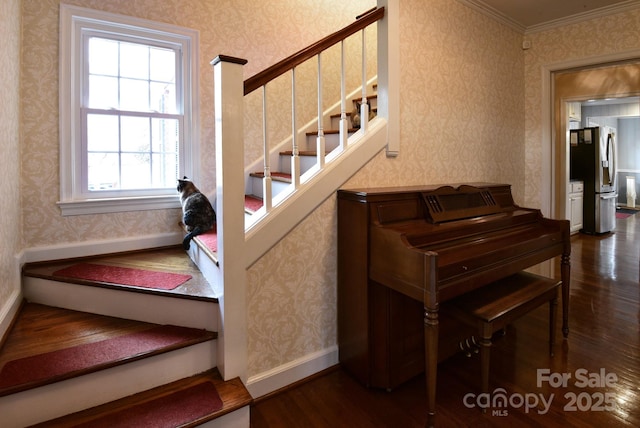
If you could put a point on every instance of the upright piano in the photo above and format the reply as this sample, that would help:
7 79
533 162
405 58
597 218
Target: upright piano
403 251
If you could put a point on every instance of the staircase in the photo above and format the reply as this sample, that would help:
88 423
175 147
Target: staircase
123 387
67 320
308 154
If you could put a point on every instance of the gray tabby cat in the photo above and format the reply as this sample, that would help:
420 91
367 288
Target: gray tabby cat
197 213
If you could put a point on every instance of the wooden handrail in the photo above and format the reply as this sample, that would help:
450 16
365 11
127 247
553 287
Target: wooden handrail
265 76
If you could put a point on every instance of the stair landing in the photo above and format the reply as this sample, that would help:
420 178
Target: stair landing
167 259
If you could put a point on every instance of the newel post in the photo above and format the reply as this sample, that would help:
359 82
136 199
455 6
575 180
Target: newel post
229 130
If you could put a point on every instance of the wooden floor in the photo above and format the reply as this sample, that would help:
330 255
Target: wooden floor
601 356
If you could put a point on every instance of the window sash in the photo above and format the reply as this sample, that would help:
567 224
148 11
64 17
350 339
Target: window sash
76 24
84 152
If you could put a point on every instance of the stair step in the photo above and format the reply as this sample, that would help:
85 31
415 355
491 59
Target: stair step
192 304
275 176
166 259
252 203
330 132
57 361
48 344
166 405
312 153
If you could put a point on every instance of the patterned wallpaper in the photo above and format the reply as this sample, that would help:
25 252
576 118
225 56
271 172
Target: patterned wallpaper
10 215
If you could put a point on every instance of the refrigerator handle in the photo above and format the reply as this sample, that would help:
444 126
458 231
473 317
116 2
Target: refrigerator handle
612 161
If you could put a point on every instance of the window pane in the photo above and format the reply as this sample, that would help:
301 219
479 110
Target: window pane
165 135
102 133
134 61
134 95
103 56
136 170
165 170
163 97
103 171
103 92
135 134
163 65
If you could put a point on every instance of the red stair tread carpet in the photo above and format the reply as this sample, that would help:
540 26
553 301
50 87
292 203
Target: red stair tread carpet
252 203
23 373
210 239
124 276
172 410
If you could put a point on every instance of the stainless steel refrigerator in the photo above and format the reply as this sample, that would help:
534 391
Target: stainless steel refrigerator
593 161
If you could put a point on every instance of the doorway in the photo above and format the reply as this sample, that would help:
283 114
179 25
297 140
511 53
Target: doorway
612 81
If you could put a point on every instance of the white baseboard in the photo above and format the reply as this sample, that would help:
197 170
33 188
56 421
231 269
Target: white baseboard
279 377
106 246
9 310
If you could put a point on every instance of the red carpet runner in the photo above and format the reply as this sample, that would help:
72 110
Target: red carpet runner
65 363
210 239
172 410
124 276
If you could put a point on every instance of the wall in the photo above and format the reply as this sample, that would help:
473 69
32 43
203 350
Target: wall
609 35
461 113
10 215
242 28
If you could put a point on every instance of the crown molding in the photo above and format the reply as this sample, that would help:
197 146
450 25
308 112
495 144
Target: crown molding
487 10
494 13
621 7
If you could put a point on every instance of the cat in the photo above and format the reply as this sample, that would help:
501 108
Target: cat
198 214
355 115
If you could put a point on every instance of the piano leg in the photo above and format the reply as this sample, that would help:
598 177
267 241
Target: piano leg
431 360
565 273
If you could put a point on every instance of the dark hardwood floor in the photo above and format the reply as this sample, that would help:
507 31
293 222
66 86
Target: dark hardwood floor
601 356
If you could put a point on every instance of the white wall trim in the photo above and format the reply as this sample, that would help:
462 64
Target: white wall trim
9 311
286 374
106 246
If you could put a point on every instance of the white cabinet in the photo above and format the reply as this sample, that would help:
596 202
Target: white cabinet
574 204
575 111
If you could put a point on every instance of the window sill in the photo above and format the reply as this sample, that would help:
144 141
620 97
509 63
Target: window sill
114 205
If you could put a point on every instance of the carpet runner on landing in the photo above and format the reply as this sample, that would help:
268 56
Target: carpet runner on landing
124 276
36 370
172 410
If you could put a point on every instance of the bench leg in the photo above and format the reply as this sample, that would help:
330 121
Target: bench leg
553 304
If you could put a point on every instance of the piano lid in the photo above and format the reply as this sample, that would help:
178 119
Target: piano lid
447 203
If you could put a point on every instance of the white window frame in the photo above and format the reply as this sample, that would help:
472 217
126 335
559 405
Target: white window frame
74 22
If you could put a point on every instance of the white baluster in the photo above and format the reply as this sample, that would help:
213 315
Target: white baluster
364 107
267 184
295 155
344 122
320 142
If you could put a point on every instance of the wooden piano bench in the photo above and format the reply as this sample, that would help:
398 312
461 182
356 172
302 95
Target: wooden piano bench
492 307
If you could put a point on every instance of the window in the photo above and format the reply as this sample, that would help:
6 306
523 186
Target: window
128 125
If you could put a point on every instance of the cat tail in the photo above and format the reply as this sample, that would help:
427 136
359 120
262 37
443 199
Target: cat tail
186 242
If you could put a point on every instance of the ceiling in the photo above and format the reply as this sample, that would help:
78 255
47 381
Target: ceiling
529 14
